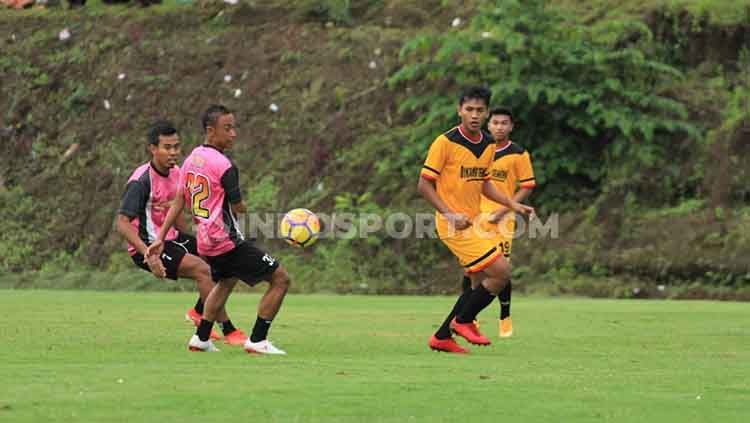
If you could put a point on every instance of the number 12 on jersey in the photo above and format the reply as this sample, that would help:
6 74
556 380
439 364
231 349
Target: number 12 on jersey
199 189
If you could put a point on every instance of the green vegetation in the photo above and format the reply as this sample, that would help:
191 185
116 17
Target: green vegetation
362 359
636 114
580 95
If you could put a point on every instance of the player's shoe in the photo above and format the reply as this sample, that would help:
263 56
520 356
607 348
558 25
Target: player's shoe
446 345
236 337
469 332
195 317
196 345
505 327
262 347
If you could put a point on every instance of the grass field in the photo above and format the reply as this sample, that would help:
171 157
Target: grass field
82 356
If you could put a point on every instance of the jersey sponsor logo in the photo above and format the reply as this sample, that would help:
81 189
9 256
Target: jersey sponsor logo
473 172
499 174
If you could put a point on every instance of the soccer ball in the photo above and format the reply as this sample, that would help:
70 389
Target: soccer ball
300 227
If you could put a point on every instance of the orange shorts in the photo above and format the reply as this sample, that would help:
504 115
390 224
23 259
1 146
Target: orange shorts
503 233
474 247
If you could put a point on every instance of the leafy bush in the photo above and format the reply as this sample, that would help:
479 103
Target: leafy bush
583 93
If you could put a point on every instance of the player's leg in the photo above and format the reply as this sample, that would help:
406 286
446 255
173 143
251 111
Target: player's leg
277 288
268 307
474 252
507 232
443 340
487 284
195 313
214 303
195 268
505 323
252 265
188 243
223 272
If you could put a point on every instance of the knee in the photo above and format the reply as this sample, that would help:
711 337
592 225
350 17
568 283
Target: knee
204 272
281 280
499 274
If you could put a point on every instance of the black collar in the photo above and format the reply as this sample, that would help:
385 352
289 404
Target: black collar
214 147
166 175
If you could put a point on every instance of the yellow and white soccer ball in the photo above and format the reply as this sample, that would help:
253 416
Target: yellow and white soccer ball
300 227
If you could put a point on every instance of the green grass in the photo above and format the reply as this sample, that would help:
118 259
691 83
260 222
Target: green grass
70 356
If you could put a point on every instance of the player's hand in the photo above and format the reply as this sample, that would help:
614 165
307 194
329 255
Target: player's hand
497 215
163 206
523 210
157 267
154 250
458 220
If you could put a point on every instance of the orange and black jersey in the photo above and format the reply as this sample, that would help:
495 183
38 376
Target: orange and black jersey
459 166
510 170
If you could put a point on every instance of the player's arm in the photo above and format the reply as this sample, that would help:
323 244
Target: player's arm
129 233
133 203
525 173
182 224
522 194
238 208
230 182
174 212
426 187
489 191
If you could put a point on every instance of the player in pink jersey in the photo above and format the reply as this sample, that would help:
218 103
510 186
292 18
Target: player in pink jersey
210 186
149 194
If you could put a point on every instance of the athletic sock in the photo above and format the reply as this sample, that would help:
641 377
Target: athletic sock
227 327
199 306
504 299
204 330
444 331
479 299
260 330
465 284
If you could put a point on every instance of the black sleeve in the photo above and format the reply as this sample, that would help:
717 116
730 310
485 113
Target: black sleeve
230 181
134 200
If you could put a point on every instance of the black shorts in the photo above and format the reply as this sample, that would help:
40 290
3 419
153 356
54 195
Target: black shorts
171 257
245 262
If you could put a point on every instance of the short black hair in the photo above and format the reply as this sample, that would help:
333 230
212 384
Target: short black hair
475 92
502 110
212 114
158 129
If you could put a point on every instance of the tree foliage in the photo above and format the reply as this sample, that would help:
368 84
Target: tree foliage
576 90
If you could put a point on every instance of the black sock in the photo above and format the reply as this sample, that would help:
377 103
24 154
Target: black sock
204 330
260 330
479 299
227 327
444 331
199 306
465 284
504 298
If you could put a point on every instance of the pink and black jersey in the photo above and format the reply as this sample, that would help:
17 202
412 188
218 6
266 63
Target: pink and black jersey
147 199
212 183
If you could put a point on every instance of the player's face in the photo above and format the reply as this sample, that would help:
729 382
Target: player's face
167 152
500 127
473 113
224 132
